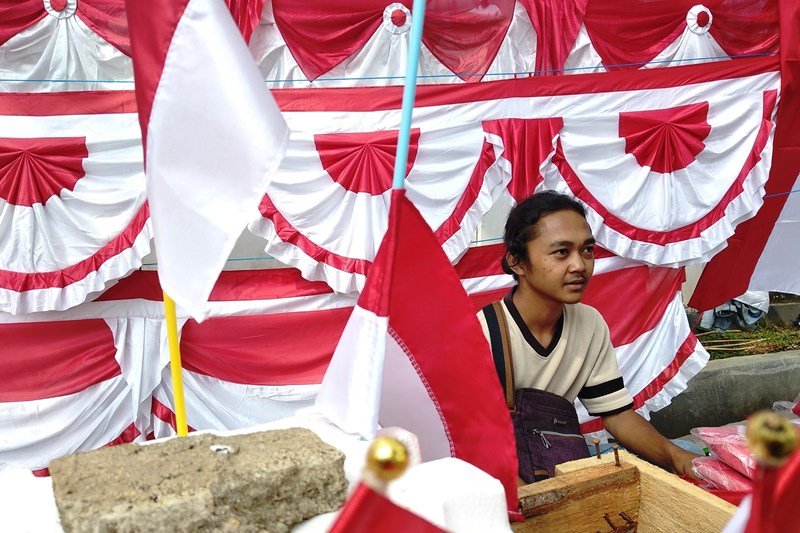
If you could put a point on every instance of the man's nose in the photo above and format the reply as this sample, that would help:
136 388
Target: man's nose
577 263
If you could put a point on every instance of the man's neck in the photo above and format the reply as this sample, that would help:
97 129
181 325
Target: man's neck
540 315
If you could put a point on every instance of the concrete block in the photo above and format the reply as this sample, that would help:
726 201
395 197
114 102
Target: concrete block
727 390
265 481
784 313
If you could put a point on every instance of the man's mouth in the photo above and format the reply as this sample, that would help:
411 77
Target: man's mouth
576 283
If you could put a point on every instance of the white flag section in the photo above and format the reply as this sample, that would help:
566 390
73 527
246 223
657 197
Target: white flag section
212 133
413 355
782 249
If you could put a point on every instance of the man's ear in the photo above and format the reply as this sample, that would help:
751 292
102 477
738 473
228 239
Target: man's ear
513 264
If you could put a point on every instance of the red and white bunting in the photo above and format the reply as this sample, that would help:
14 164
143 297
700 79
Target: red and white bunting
71 197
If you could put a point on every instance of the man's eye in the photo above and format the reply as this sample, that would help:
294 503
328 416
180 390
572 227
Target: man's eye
562 251
589 250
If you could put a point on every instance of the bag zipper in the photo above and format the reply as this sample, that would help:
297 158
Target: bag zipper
570 435
546 443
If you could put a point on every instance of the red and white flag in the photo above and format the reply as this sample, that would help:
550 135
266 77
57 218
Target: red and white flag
212 135
772 508
413 355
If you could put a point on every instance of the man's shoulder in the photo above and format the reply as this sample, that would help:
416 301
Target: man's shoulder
482 313
583 312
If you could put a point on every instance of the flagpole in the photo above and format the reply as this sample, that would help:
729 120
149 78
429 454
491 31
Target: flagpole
175 366
409 91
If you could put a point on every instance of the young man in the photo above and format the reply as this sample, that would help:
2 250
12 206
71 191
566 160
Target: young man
558 344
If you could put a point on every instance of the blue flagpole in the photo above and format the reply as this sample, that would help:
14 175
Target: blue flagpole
409 91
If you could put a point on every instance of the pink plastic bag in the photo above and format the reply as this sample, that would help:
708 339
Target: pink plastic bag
720 475
728 444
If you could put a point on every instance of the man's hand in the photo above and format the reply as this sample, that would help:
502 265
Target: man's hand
639 436
682 462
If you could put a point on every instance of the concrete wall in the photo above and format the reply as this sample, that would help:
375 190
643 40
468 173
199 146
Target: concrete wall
728 390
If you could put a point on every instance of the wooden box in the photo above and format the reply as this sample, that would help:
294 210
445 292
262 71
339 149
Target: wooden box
594 495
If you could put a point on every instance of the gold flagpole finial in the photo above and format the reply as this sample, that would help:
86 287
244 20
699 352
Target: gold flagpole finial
771 437
387 458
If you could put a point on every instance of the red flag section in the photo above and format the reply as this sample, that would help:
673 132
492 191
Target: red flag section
366 511
775 498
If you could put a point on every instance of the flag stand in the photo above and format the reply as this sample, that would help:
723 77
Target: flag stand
409 91
175 366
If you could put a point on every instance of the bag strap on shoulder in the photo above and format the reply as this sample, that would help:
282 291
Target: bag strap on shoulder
501 348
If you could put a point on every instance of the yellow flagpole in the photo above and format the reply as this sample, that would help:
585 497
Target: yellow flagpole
175 364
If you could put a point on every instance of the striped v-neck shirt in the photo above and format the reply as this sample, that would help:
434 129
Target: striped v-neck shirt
580 361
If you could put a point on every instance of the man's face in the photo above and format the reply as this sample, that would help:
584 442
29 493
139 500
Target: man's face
561 258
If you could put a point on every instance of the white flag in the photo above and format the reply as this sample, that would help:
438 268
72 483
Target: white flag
212 135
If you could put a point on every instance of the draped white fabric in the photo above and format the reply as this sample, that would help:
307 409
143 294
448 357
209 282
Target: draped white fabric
61 53
72 204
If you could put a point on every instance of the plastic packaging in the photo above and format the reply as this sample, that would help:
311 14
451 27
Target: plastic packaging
728 444
720 475
790 410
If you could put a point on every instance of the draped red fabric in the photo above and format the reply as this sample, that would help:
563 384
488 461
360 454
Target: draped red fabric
557 23
232 286
745 26
246 14
366 511
152 52
464 35
262 349
526 144
69 103
18 15
108 19
363 161
647 292
665 139
629 34
321 34
719 281
85 356
33 170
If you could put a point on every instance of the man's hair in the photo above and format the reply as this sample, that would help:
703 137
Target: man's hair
522 224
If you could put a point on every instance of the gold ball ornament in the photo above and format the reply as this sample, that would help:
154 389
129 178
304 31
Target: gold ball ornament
387 458
772 438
